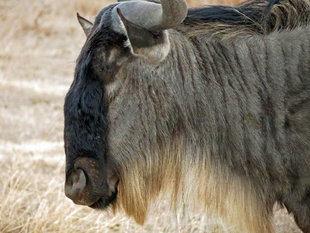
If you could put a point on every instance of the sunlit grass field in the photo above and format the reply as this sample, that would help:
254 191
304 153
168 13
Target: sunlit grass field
39 42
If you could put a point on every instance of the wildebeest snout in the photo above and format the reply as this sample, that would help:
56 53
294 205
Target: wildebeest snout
75 185
84 182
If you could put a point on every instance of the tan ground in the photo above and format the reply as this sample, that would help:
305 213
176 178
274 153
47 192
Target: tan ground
39 42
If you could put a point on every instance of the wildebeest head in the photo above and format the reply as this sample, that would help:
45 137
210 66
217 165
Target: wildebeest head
197 112
100 120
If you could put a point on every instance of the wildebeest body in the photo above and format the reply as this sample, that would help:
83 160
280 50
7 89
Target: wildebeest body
224 118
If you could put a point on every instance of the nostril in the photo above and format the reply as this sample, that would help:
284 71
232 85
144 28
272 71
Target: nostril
75 184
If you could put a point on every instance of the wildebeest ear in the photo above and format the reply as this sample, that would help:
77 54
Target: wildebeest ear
86 25
153 46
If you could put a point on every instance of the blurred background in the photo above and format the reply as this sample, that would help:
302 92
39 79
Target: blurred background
39 43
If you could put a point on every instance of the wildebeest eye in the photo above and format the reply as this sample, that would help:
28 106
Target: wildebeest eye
107 61
99 60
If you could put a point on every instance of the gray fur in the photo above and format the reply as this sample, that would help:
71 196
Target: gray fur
238 103
246 99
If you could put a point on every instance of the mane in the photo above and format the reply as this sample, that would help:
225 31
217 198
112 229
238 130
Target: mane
254 16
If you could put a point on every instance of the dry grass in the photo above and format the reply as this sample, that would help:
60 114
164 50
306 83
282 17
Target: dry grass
39 41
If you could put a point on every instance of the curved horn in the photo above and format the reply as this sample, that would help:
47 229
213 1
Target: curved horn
153 16
174 12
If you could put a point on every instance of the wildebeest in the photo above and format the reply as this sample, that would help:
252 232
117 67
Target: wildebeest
212 104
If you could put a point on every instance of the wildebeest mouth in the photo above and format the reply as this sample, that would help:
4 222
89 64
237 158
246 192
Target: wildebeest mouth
104 203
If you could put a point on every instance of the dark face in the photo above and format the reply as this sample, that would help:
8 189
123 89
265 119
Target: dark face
102 108
90 178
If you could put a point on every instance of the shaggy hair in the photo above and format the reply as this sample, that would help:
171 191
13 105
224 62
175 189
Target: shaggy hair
223 121
240 178
251 17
